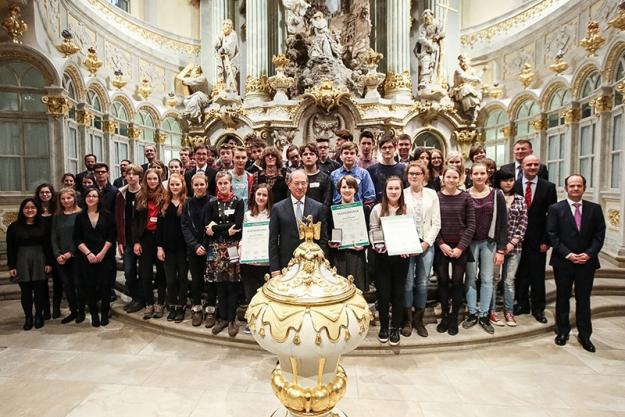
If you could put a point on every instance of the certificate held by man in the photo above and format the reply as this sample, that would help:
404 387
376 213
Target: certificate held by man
400 235
350 219
255 243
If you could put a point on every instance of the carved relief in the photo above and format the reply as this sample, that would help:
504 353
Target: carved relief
155 74
282 138
83 36
116 58
513 63
560 40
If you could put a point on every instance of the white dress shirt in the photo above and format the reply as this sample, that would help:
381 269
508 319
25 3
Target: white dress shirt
533 186
294 205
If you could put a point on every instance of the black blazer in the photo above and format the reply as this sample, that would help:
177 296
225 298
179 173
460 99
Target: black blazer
210 174
545 195
284 233
542 171
95 238
565 238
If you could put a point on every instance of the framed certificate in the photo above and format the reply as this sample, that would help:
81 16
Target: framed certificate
400 235
350 218
255 243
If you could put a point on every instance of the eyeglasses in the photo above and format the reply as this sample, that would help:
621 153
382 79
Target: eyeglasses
100 172
415 174
387 148
270 156
45 192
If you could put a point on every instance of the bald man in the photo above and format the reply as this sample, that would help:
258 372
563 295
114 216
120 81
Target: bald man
539 194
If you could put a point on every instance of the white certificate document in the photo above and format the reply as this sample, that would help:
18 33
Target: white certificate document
255 242
350 218
400 235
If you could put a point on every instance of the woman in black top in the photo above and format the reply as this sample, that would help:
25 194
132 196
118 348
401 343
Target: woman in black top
224 220
171 247
94 235
273 174
29 259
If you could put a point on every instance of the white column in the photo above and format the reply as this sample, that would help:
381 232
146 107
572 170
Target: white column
398 83
212 15
257 53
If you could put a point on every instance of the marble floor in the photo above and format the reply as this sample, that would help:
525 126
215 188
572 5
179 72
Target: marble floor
74 370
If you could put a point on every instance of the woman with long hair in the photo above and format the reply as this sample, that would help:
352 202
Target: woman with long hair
272 174
422 203
455 159
253 275
391 271
517 223
30 260
487 247
148 204
94 236
64 251
454 238
437 160
223 220
171 247
350 261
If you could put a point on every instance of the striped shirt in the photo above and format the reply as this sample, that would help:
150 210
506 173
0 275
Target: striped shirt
457 220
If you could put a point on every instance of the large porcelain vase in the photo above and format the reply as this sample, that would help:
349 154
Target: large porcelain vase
309 316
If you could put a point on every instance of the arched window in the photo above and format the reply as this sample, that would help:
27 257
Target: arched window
24 138
121 119
495 142
428 140
556 132
616 140
588 127
145 122
95 142
72 142
173 138
526 113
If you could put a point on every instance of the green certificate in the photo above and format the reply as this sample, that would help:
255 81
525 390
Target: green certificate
350 218
255 243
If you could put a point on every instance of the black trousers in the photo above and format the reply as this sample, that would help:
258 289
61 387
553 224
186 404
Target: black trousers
390 280
57 290
71 284
33 292
197 267
228 294
253 277
458 267
582 276
176 269
530 281
96 284
147 260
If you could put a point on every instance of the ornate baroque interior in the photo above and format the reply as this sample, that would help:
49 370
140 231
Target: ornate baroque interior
110 77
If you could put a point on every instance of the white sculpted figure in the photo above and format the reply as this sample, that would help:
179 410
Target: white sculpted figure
227 50
428 47
295 12
298 7
323 41
467 88
194 85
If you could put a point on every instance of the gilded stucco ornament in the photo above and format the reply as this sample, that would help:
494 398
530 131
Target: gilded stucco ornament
256 85
145 89
119 81
159 138
171 101
84 117
134 133
539 124
309 316
326 95
58 106
68 47
228 115
571 115
372 79
559 65
614 217
14 25
527 75
618 21
620 87
92 62
593 40
602 103
109 126
397 82
196 140
280 82
429 111
466 139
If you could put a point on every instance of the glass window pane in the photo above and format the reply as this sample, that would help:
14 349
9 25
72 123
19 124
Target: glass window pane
10 174
553 151
615 171
37 171
33 78
10 141
72 143
36 139
33 103
617 133
7 75
8 101
96 146
586 141
491 134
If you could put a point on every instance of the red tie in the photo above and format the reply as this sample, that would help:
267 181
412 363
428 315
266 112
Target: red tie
528 194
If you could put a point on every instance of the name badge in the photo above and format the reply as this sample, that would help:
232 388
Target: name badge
229 212
314 185
153 219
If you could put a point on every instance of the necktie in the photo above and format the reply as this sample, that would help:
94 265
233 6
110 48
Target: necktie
578 216
519 175
528 194
298 210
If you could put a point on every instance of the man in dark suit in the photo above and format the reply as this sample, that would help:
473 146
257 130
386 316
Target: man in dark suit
200 152
283 227
576 231
90 161
539 194
523 148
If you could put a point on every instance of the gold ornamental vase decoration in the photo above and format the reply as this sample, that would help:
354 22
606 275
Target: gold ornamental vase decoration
68 47
92 62
145 89
119 81
618 21
309 316
14 25
527 75
593 40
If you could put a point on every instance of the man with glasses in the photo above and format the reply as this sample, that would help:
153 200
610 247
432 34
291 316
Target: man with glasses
387 167
200 152
325 163
107 190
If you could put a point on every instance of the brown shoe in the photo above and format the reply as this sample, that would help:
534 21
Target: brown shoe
210 319
233 329
219 326
417 323
148 312
158 311
406 328
197 316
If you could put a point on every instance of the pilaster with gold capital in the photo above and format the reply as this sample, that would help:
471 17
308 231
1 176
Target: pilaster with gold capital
58 105
398 83
134 133
571 115
257 55
84 117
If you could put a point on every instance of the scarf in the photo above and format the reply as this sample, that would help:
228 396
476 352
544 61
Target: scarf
225 198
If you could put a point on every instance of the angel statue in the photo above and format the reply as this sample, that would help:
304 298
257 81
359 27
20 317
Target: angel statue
428 47
192 83
227 50
467 89
295 12
323 42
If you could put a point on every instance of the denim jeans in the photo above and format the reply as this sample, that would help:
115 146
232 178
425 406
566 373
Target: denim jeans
483 254
131 274
417 279
508 272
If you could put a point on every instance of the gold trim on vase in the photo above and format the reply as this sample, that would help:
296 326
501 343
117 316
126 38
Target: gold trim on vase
527 75
145 89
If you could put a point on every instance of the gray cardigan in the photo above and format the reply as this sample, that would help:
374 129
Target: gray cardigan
62 234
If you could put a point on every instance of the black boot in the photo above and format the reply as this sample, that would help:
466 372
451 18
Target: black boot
72 316
56 311
406 328
417 322
443 326
95 319
38 320
80 317
28 323
453 323
179 317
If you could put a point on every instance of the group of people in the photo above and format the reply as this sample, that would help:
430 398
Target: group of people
478 227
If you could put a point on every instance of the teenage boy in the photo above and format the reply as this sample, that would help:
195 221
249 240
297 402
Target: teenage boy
319 185
404 145
366 190
241 179
325 163
256 150
387 167
366 144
